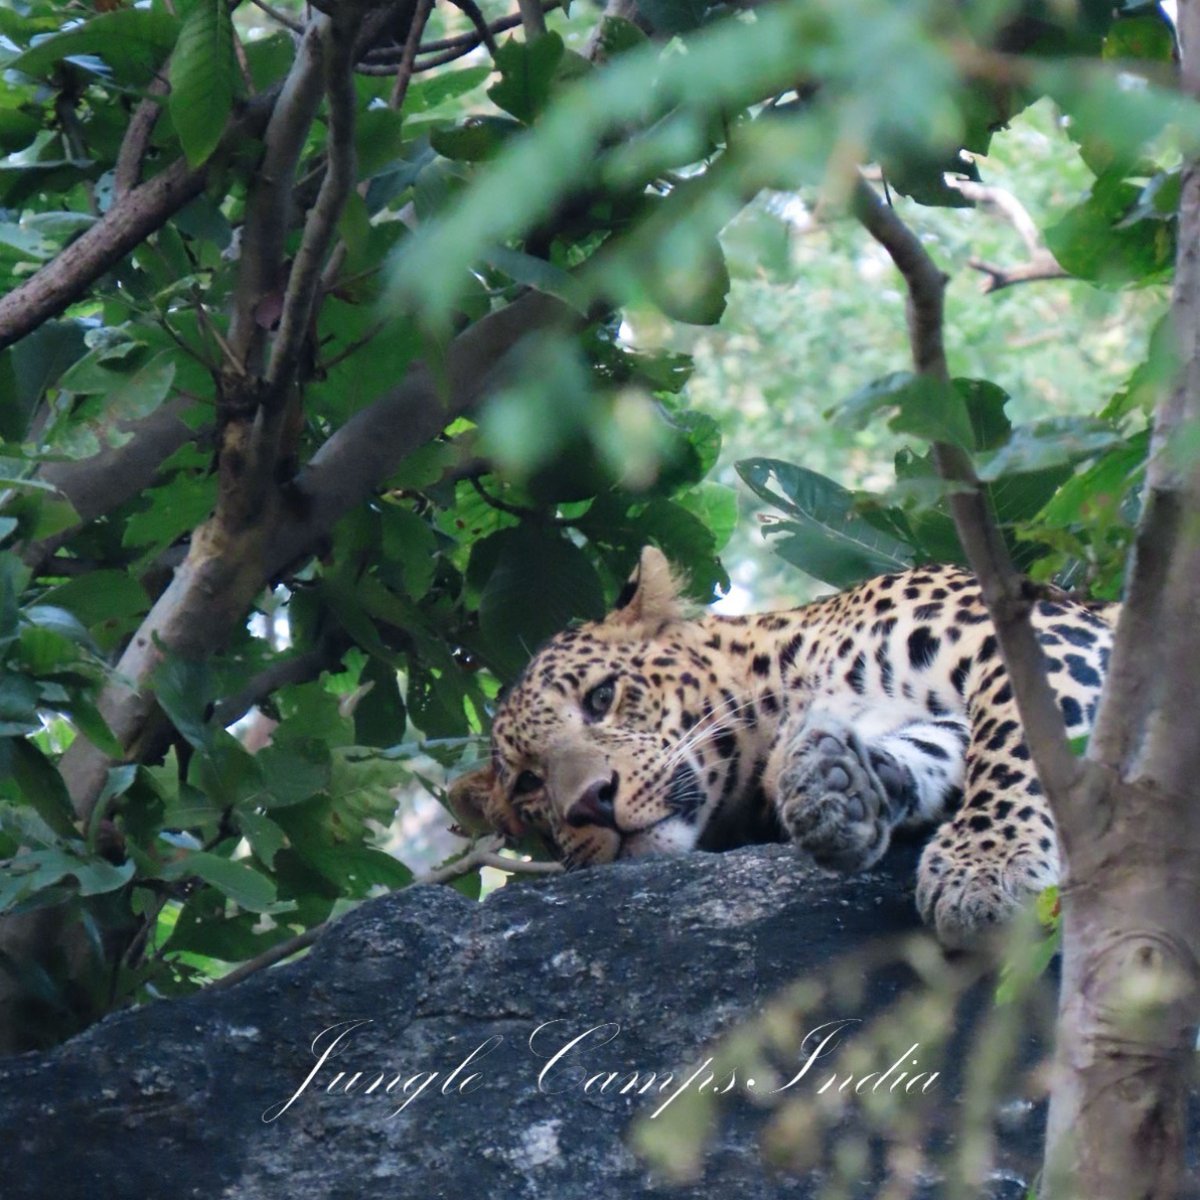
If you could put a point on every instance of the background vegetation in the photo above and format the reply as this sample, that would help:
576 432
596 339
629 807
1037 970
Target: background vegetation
336 376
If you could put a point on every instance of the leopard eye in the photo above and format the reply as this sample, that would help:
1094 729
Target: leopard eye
527 782
599 700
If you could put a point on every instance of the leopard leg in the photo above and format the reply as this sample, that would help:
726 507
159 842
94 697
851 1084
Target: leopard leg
1000 849
840 788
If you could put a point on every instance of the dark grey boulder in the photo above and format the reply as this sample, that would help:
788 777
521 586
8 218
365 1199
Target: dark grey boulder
170 1100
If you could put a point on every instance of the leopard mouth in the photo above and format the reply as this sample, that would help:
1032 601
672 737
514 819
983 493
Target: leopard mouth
672 832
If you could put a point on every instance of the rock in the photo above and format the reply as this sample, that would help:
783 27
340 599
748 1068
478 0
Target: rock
207 1097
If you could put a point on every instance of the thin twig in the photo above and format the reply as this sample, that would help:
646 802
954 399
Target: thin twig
484 853
128 171
472 12
1041 263
1041 266
409 57
275 14
1009 598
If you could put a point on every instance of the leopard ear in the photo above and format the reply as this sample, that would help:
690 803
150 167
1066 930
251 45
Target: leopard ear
651 597
479 803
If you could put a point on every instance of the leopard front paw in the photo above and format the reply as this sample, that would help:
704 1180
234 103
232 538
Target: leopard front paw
833 802
965 900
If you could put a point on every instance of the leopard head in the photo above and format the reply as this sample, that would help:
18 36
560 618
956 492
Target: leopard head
591 747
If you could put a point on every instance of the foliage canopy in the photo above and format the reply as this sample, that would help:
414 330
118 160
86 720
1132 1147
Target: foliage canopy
213 225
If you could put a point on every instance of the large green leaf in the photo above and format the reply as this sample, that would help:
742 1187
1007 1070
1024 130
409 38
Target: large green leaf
540 582
823 535
203 75
526 72
38 782
246 887
133 41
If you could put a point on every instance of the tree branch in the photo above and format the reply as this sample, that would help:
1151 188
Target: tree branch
404 72
1009 598
485 853
361 455
1041 264
323 217
533 19
128 171
125 226
269 208
132 219
96 485
300 668
234 555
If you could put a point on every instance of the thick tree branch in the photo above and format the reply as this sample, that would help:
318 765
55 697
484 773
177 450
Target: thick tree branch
1009 598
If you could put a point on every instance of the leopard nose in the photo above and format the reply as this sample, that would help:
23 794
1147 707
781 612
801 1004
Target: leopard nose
595 806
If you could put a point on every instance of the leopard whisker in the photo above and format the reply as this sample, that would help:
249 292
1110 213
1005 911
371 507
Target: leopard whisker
709 727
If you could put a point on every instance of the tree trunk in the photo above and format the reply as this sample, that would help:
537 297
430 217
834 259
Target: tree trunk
1130 827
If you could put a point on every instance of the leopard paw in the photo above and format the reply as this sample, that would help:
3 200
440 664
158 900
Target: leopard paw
966 900
833 799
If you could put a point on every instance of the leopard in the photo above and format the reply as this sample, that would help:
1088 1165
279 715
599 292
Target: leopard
883 710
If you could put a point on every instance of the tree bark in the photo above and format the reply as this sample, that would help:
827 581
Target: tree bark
1130 999
1126 817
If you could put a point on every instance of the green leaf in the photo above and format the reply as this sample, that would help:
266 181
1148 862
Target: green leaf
86 718
692 288
435 90
1096 240
541 276
39 782
716 506
246 887
203 73
99 876
294 769
99 596
673 16
19 698
825 537
539 584
379 715
1148 38
526 73
1050 443
133 41
476 139
173 509
183 690
264 835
